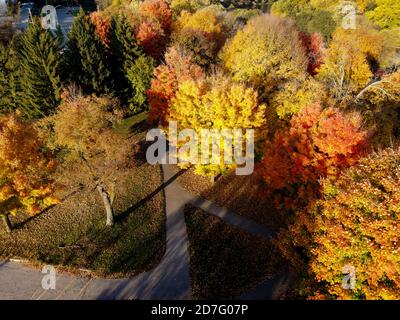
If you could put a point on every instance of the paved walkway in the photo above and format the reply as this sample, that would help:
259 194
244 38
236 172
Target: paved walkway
169 280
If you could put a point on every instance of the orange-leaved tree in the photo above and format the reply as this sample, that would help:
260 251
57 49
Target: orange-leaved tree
154 28
317 143
25 170
354 228
102 24
178 67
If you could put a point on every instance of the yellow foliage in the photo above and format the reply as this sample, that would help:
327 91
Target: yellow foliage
205 20
265 52
346 68
296 95
216 103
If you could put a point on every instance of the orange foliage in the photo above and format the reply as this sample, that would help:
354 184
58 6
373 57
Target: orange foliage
24 168
157 10
155 29
178 67
318 143
355 224
102 24
151 38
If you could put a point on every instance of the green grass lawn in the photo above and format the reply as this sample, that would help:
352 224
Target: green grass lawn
73 234
226 262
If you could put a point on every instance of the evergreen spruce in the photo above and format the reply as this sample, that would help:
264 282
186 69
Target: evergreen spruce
39 62
4 80
131 68
86 58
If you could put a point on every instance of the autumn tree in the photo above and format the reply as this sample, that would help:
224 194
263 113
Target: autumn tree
40 62
355 223
86 58
309 16
318 143
178 67
266 52
102 24
314 49
215 103
201 33
349 61
386 14
379 103
83 126
25 169
178 6
155 27
295 95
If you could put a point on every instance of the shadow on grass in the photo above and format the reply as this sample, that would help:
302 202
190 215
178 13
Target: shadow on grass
142 202
21 224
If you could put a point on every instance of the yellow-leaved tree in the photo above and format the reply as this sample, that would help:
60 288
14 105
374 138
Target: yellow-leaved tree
201 33
216 103
266 53
25 168
349 61
84 128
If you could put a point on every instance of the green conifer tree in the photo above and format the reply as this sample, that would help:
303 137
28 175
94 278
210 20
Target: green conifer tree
39 60
86 58
4 80
131 68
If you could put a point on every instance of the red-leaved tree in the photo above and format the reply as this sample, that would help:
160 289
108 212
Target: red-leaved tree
154 30
314 48
317 143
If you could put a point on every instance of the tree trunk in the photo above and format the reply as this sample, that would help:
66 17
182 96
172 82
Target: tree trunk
107 205
213 179
7 223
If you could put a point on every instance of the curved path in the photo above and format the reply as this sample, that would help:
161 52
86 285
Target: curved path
169 280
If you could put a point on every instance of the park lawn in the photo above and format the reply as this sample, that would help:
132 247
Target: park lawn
226 262
72 235
241 194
